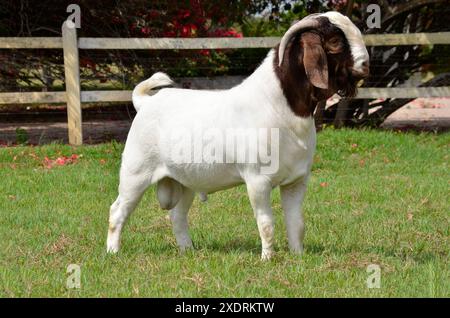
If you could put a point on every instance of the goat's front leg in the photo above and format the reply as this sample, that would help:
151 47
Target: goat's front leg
291 201
259 190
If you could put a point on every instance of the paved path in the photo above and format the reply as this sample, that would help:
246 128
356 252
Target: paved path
422 113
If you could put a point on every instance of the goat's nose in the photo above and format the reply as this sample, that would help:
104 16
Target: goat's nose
362 71
365 67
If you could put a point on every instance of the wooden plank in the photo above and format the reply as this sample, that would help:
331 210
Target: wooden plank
33 98
31 43
106 96
176 43
125 96
72 79
250 42
403 92
207 43
407 39
363 93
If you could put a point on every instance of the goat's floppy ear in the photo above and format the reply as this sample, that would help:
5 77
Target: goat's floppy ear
314 60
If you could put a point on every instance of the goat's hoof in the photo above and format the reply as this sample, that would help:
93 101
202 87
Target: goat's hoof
186 248
112 248
203 196
266 255
298 250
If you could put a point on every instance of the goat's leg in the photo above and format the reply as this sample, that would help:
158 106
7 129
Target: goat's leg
178 216
291 201
131 189
259 191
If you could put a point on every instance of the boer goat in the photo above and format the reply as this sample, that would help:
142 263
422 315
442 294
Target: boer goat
319 56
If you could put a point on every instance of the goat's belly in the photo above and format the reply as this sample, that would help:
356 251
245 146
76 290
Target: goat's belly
206 178
294 174
294 166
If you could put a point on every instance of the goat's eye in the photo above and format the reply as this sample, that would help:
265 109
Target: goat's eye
334 40
334 45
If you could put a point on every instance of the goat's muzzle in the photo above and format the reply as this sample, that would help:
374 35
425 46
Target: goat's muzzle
362 71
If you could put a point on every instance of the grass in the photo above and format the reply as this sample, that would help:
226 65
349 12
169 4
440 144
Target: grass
375 197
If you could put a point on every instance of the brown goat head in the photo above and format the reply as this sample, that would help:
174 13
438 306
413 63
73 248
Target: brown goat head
317 62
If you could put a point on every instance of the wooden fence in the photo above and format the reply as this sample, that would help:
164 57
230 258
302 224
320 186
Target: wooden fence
73 95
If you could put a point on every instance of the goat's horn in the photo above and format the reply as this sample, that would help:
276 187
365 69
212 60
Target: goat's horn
306 23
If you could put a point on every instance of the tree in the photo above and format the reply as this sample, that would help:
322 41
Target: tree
112 18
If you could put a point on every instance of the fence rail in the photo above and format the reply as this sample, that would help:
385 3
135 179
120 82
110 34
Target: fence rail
73 96
206 43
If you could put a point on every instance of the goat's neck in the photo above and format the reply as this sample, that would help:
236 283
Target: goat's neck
264 81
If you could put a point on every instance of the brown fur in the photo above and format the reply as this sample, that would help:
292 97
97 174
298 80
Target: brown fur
313 59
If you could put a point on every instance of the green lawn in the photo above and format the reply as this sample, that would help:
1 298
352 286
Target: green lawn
375 197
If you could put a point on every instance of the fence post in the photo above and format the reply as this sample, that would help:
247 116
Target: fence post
72 79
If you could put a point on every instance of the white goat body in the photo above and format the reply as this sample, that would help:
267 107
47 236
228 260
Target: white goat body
258 103
200 111
146 157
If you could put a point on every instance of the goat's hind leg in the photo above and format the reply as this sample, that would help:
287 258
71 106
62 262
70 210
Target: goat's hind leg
175 197
131 189
178 216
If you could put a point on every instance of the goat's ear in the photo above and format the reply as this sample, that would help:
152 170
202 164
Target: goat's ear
314 60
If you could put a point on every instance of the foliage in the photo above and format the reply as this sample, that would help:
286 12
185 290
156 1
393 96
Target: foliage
188 18
21 136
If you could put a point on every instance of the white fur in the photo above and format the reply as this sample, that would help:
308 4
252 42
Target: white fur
157 80
257 102
354 38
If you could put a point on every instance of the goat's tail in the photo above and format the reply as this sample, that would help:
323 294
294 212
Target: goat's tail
156 80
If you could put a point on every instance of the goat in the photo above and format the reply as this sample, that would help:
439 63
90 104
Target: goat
318 56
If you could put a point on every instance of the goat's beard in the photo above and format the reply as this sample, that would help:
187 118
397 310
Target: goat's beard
346 84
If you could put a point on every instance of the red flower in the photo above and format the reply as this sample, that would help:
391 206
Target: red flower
193 27
226 33
169 34
116 19
183 14
60 161
153 14
86 62
185 31
200 21
145 30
